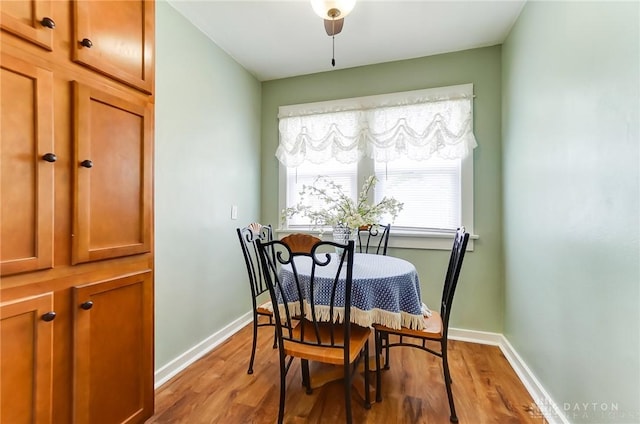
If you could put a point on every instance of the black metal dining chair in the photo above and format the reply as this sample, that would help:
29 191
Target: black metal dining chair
312 291
436 326
248 236
374 238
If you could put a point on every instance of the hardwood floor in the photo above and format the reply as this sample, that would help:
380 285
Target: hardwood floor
217 389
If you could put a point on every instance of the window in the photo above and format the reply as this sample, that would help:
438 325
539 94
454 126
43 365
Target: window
430 191
342 174
418 144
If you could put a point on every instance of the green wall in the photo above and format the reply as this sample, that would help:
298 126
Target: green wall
480 297
556 119
206 142
571 203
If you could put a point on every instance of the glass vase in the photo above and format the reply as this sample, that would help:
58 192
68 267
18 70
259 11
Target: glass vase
342 234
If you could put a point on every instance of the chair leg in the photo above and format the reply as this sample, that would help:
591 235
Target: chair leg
386 355
367 393
378 348
348 379
283 379
447 381
275 333
255 338
306 376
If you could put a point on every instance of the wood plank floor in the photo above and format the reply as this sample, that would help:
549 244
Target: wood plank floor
217 389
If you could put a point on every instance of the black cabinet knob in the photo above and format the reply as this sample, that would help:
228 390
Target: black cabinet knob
86 43
50 157
87 305
86 163
48 23
49 316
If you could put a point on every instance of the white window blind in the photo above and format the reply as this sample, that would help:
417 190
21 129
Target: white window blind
342 174
430 191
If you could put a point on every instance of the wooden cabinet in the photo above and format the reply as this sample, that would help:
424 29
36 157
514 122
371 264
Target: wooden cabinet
76 211
113 351
112 175
32 20
123 51
27 164
26 329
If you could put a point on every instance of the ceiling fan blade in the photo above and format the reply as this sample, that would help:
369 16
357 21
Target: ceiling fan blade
333 26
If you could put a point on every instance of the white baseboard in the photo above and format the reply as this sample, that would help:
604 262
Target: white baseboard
474 336
546 406
170 370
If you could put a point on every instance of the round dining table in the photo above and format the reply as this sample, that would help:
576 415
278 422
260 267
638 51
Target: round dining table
385 289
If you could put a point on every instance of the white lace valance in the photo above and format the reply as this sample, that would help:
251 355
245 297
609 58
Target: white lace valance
415 124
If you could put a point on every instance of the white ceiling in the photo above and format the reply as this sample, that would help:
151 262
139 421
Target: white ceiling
278 39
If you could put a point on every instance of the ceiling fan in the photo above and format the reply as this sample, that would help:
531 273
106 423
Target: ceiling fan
333 12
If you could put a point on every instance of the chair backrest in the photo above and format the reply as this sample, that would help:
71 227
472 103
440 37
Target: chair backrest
453 272
313 288
374 238
248 236
300 242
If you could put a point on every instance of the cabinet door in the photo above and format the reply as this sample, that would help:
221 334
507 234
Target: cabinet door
26 350
26 178
116 38
112 175
113 350
30 20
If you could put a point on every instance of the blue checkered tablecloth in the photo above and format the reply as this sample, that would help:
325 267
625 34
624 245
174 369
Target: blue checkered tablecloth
385 290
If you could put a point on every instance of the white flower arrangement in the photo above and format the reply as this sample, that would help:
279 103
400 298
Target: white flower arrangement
339 209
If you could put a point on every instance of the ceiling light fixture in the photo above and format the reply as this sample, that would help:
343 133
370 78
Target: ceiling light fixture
333 13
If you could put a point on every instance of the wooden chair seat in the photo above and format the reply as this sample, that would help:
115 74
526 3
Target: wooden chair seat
265 309
432 328
325 354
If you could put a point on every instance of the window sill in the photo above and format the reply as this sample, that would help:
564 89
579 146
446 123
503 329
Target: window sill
400 239
425 240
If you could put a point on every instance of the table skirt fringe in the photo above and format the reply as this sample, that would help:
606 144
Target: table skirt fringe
358 316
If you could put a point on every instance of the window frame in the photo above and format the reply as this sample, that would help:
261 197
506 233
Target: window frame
399 238
436 240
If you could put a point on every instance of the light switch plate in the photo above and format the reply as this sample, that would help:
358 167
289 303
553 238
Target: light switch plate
234 212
